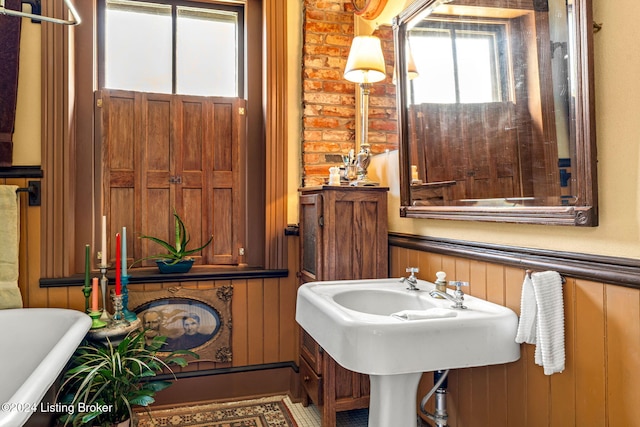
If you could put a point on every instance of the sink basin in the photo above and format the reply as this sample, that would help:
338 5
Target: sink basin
382 302
351 321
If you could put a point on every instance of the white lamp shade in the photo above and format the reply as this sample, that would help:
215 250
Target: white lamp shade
366 62
412 69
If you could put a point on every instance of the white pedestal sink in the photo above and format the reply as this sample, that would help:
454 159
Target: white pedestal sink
351 320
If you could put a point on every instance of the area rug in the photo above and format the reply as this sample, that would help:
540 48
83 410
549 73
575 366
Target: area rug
265 412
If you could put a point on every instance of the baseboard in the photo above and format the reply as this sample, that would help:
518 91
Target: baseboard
247 383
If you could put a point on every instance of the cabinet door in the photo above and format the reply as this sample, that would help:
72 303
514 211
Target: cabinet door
311 230
355 234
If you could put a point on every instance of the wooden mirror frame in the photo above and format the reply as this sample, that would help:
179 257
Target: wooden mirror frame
585 211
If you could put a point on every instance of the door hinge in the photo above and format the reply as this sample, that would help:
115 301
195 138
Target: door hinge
99 102
241 111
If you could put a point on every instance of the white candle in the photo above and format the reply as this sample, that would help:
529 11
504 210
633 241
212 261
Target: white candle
104 241
124 251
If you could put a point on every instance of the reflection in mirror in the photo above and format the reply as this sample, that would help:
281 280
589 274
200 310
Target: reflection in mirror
495 110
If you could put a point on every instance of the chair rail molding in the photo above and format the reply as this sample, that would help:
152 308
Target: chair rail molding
599 268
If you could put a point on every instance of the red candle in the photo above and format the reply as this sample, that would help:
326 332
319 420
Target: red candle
94 295
118 261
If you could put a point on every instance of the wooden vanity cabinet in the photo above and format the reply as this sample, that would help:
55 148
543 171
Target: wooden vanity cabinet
343 235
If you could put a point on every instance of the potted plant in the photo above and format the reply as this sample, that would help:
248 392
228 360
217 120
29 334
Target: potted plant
177 258
104 382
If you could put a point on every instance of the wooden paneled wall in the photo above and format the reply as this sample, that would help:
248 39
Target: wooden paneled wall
263 310
262 313
599 386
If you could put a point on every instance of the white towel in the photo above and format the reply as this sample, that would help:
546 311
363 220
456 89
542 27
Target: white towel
431 313
10 296
545 326
528 311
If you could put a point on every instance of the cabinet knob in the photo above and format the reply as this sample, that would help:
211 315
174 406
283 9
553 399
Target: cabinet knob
306 378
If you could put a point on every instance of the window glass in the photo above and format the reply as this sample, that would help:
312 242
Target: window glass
436 82
138 46
206 52
171 48
478 78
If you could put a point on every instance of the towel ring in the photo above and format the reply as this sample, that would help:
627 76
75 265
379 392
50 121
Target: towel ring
528 273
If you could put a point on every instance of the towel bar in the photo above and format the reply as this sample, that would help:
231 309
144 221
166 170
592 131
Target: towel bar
34 192
528 273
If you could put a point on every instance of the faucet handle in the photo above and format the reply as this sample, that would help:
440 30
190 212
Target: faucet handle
412 270
458 284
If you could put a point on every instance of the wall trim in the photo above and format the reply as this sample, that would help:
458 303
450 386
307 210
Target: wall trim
21 172
196 274
220 371
597 268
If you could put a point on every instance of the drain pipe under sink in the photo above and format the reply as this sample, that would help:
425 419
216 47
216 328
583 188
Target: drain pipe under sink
440 389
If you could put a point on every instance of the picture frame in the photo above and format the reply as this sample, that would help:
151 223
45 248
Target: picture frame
198 320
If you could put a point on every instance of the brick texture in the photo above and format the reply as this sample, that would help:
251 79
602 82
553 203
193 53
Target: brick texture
329 114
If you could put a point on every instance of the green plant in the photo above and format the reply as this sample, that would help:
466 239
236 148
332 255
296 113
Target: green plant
104 382
178 251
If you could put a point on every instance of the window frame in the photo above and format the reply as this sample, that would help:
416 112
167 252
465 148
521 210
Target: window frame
71 148
502 57
238 9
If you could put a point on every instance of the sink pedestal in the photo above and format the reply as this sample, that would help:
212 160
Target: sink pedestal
393 400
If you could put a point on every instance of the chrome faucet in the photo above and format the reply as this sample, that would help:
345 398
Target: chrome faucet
412 280
457 298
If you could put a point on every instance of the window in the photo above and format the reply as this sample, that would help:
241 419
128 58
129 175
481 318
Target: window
173 47
471 62
172 122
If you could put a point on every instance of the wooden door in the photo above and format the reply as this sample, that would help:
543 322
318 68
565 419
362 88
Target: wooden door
206 164
163 152
474 145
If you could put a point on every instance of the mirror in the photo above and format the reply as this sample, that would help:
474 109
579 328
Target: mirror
495 110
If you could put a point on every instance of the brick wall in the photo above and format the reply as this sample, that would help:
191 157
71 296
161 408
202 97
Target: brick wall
329 114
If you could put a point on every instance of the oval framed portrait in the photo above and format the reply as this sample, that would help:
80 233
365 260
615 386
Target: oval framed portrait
198 320
186 323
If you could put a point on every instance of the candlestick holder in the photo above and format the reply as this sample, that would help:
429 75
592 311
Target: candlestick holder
118 316
96 323
128 315
86 290
104 281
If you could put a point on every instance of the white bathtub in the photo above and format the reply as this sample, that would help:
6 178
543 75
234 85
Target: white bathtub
35 345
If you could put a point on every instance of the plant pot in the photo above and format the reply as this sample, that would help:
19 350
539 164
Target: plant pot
182 266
